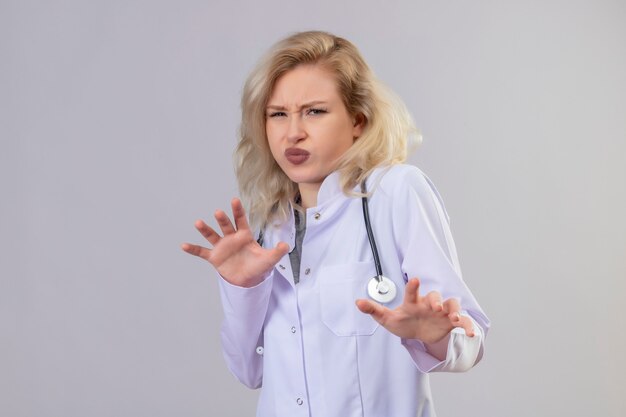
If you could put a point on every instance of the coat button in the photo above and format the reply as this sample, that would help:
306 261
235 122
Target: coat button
317 215
307 271
293 329
299 401
259 350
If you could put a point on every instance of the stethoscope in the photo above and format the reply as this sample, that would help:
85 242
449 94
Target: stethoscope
380 288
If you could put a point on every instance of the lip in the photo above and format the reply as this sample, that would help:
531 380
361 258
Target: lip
296 155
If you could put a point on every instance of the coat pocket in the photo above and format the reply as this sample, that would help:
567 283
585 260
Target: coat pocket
340 286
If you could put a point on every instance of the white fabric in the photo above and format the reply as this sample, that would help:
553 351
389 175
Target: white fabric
321 356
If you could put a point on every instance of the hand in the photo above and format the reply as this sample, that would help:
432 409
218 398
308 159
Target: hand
425 318
238 258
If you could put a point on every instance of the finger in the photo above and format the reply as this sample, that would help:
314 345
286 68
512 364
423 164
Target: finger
411 291
434 300
466 324
239 214
196 250
279 251
453 309
208 233
375 310
224 222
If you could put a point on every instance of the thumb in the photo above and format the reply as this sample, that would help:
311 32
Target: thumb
364 306
370 307
280 250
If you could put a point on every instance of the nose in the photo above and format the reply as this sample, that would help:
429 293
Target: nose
295 131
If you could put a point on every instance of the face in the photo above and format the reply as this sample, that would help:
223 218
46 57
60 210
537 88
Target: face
308 127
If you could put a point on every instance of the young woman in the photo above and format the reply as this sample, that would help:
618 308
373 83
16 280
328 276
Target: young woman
318 133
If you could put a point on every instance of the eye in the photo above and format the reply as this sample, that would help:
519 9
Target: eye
316 111
276 114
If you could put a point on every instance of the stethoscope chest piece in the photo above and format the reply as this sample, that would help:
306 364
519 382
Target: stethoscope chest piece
381 289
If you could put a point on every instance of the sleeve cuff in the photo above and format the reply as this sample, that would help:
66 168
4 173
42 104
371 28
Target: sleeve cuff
245 301
463 351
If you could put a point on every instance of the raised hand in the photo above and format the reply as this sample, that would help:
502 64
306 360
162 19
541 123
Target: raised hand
236 256
425 318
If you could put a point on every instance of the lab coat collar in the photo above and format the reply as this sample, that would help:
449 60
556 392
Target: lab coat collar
329 200
329 189
328 192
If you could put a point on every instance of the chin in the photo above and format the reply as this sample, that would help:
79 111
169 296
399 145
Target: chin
303 175
297 175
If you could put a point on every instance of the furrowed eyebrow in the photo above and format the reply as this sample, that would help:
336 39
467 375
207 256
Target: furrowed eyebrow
305 105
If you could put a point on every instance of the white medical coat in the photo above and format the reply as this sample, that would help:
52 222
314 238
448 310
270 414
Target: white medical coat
309 347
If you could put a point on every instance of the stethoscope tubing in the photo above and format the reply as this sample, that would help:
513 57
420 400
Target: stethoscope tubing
370 233
379 288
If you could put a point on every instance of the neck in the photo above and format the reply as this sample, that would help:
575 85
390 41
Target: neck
308 194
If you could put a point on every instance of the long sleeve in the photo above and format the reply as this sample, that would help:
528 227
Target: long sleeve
427 251
463 352
242 329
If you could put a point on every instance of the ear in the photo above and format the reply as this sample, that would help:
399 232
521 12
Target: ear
358 122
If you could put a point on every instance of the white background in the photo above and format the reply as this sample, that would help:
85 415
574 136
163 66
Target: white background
117 124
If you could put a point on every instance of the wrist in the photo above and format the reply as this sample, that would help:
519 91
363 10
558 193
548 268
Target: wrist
249 282
438 349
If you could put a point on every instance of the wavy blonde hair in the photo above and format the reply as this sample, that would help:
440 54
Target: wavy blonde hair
265 189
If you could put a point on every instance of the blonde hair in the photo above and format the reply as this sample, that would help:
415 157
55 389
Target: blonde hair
265 189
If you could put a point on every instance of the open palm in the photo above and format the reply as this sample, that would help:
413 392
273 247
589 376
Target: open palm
425 318
236 256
